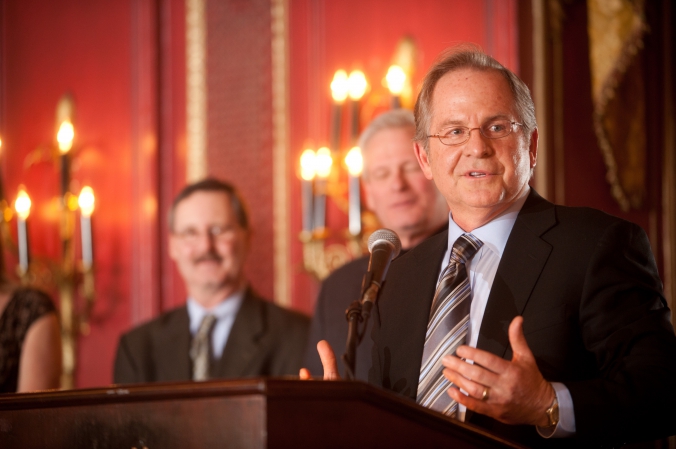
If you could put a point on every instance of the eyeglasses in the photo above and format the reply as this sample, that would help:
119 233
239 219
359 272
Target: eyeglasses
191 235
494 129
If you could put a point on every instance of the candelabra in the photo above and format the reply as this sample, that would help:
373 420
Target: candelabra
320 180
65 275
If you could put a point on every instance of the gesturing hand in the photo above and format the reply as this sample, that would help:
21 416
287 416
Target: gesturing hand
516 392
329 364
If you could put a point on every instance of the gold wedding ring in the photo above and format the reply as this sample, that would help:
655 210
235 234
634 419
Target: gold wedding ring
484 395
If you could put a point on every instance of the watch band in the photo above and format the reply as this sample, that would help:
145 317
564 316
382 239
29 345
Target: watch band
553 413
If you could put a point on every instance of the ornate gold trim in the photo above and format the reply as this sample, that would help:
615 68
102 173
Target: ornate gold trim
280 151
540 97
613 46
196 89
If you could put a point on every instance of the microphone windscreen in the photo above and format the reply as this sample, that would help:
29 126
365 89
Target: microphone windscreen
388 236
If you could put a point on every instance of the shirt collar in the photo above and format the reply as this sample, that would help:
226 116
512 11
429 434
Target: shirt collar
229 306
495 233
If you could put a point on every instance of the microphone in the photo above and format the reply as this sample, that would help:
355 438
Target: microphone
384 245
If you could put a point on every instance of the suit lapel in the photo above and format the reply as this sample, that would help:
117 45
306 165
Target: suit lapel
244 339
406 319
173 348
522 262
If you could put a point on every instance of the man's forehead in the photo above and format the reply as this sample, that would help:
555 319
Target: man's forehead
203 206
469 84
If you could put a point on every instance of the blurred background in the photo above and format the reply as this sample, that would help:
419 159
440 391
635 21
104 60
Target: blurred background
120 103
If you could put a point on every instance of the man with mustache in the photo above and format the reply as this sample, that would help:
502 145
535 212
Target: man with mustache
225 329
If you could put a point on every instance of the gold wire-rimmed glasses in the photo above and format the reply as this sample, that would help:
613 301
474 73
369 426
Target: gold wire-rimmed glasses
494 129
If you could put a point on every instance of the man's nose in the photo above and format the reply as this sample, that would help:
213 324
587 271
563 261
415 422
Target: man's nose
205 240
398 181
477 145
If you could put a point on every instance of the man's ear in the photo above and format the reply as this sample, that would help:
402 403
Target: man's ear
533 149
423 159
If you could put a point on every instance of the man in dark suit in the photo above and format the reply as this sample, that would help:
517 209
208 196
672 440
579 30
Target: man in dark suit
543 324
225 329
403 200
568 329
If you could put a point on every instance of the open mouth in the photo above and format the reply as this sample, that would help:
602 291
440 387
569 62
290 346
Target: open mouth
477 174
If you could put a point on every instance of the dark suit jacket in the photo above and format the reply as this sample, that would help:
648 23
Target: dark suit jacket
594 316
329 323
265 340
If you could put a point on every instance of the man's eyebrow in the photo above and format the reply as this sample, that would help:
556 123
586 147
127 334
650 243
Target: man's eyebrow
456 122
498 117
449 122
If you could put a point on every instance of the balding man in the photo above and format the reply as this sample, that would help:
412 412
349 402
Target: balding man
523 314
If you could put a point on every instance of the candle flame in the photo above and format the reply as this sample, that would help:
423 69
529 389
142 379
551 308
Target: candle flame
339 86
22 205
396 77
354 162
86 201
308 165
357 84
323 162
65 136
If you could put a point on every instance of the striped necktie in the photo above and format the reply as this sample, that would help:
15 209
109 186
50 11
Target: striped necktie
447 327
200 350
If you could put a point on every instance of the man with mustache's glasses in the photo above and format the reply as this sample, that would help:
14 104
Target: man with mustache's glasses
225 329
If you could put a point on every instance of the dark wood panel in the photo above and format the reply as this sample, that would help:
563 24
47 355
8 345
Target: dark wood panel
251 413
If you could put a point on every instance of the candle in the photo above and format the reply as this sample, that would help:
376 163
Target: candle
65 137
307 174
357 86
86 202
396 79
339 89
323 162
355 164
22 205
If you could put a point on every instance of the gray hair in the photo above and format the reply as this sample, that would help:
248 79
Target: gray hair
397 118
469 56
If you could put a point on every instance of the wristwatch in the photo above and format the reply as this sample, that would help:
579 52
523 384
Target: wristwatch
553 413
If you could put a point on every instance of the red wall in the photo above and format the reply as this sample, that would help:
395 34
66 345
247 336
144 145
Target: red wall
124 63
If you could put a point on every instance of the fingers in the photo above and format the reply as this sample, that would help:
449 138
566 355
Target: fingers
517 340
483 358
328 358
469 371
473 387
304 374
470 402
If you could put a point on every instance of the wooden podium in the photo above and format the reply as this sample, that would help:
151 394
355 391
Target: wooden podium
248 413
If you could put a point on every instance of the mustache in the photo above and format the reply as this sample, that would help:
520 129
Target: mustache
208 257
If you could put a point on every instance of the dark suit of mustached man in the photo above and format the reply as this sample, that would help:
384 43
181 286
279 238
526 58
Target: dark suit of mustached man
543 324
225 329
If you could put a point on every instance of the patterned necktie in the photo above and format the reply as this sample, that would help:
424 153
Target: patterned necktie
200 350
447 327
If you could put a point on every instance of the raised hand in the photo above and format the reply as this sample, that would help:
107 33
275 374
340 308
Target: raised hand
513 392
329 363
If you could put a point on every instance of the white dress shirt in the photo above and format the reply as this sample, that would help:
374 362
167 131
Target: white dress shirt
225 313
481 271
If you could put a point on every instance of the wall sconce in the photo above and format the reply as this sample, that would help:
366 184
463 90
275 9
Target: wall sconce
319 178
66 274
